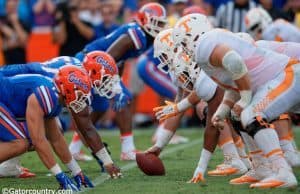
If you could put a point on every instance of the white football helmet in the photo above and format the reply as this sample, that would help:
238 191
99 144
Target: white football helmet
245 36
188 29
164 49
256 20
185 70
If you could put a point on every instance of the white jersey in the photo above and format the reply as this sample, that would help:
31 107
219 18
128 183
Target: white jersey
263 65
205 87
291 49
281 30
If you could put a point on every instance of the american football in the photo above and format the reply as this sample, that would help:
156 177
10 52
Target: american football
150 164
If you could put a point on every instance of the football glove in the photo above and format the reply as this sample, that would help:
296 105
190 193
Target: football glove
164 112
83 180
65 182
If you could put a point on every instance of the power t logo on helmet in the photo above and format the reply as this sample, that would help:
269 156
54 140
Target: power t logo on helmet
74 85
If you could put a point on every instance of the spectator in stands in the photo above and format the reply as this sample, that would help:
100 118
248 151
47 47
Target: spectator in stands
213 5
176 9
42 12
231 15
70 32
91 12
108 23
14 34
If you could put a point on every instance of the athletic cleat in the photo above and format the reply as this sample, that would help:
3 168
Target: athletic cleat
128 156
231 166
284 178
26 174
178 139
293 158
82 157
248 178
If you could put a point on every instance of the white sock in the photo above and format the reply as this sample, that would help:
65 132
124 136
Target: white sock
127 143
268 141
75 146
249 142
204 160
230 150
163 136
73 167
241 148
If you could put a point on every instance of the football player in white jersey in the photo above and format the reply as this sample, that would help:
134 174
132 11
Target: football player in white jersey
255 91
208 91
260 25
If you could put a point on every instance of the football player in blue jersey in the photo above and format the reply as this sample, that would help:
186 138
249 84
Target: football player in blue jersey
129 41
103 72
29 122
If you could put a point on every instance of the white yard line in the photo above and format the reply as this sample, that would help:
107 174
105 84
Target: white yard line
101 179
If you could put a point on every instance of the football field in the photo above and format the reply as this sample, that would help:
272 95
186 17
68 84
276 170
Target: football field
179 160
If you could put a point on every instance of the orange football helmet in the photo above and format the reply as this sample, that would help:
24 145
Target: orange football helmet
103 72
152 17
74 85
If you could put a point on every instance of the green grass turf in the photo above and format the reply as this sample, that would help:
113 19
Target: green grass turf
179 167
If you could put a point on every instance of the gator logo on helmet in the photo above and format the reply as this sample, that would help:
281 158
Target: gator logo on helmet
77 81
105 63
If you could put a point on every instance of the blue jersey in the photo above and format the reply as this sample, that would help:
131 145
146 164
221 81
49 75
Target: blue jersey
49 69
15 91
135 32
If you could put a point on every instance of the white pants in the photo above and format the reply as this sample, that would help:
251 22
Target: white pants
10 168
275 97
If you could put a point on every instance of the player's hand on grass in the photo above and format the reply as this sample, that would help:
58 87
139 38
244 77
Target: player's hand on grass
154 150
164 112
65 182
113 171
82 180
198 176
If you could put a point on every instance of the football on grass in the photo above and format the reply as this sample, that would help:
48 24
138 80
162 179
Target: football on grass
150 164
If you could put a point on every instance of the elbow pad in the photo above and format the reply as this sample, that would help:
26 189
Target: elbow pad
233 63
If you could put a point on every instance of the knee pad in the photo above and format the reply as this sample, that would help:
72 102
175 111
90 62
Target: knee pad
258 124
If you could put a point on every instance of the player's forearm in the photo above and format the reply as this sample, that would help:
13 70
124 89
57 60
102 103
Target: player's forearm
61 149
42 147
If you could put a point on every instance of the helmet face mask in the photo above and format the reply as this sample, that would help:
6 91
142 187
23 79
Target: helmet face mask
104 73
82 100
108 86
185 71
153 18
74 86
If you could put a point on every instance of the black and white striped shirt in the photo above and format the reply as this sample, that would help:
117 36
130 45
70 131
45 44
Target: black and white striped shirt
231 16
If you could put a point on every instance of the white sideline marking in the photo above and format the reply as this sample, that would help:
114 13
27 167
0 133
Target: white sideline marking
101 179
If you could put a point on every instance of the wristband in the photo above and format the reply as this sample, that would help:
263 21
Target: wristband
246 96
183 105
74 167
104 156
55 169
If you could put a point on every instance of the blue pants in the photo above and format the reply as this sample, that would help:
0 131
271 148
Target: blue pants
157 80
